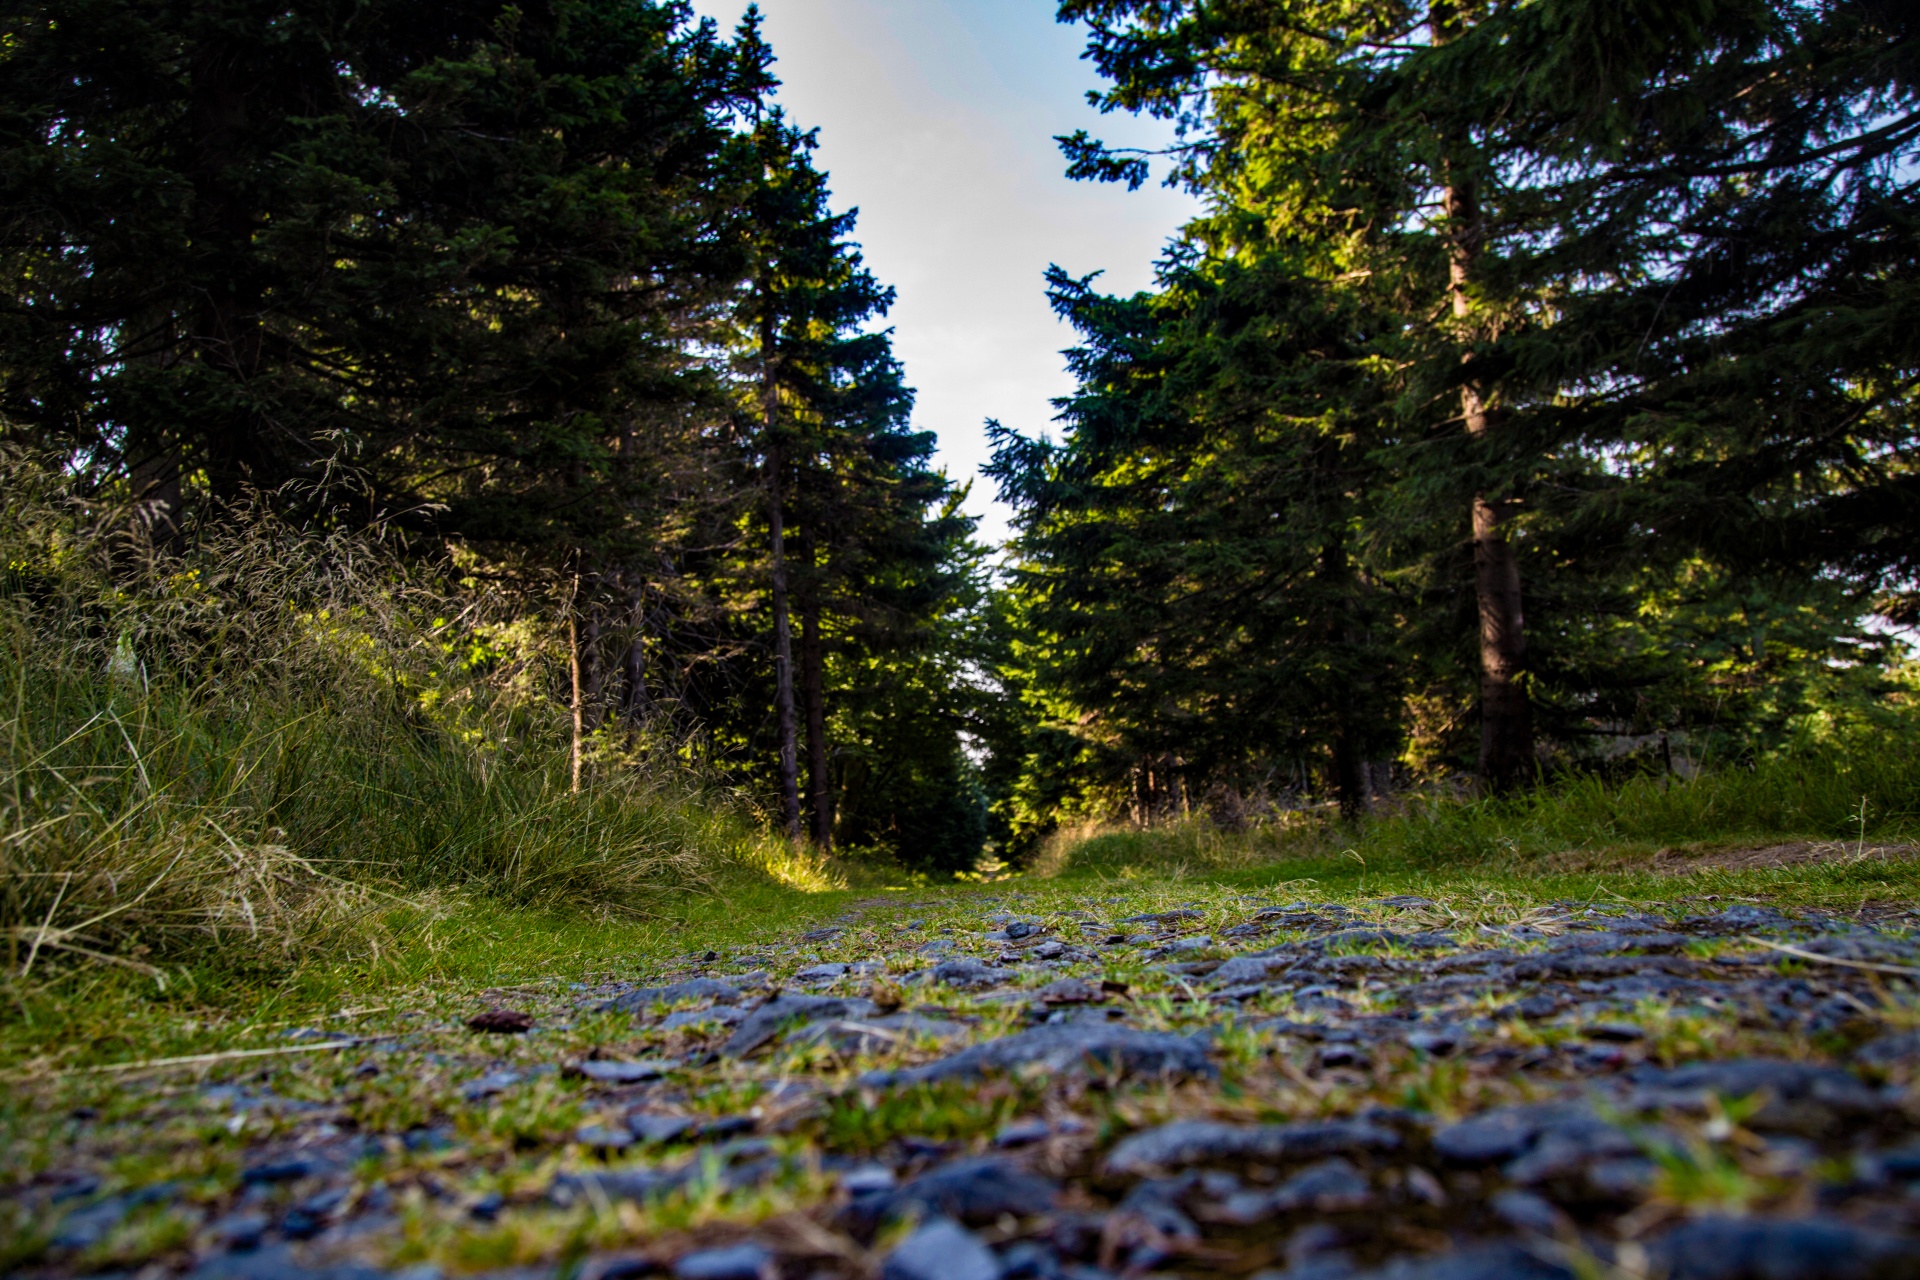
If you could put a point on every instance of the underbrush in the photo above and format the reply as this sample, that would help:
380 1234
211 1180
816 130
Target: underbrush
287 745
1859 792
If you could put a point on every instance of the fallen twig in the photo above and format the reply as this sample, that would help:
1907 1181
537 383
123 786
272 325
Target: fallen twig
1904 970
196 1059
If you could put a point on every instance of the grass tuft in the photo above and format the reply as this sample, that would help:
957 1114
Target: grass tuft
291 743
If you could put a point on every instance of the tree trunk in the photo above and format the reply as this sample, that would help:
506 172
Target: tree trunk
1349 776
1506 715
634 704
226 331
578 701
813 694
782 626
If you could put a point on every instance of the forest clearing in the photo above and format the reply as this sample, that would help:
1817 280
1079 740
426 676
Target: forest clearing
527 755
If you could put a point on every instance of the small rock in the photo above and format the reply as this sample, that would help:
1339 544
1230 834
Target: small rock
867 1179
1528 1212
276 1262
1535 1007
1245 969
940 1249
511 1022
88 1226
1900 1049
494 1082
719 1015
1506 1132
604 1137
1485 1262
1615 1032
239 1232
1069 991
736 1262
1331 1186
1021 929
1059 1048
611 1071
644 998
1020 1133
1801 1096
875 1035
1244 1209
272 1171
1179 947
1793 1249
978 1191
764 1023
820 972
650 1126
1185 1142
1436 1041
968 974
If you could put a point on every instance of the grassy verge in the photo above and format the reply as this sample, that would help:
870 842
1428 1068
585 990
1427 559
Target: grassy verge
1857 797
288 757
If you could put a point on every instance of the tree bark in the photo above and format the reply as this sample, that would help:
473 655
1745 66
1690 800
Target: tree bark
813 695
1506 713
782 624
1349 777
578 701
634 704
226 334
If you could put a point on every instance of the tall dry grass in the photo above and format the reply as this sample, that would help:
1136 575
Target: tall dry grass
240 755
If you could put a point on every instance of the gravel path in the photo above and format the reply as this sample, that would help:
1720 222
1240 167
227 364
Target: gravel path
1036 1089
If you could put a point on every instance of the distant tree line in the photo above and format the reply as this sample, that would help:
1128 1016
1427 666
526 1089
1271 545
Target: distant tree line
1536 390
552 288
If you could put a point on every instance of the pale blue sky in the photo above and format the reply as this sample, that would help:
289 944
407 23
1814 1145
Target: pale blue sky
937 120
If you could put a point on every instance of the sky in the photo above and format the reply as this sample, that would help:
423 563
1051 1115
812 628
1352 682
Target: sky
937 120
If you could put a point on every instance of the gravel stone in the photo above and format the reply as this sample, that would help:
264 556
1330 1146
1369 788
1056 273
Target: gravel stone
940 1249
1331 1186
1793 1249
613 1071
719 1015
764 1023
1800 1094
872 1035
1185 1142
736 1262
1487 1262
967 974
977 1191
1507 1132
1057 1048
640 1000
817 972
1528 1212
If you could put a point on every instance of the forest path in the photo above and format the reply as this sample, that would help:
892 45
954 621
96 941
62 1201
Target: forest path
1047 1080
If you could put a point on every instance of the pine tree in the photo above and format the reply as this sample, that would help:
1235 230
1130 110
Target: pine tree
1617 246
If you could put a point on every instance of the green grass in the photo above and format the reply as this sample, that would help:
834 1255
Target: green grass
1857 795
290 748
